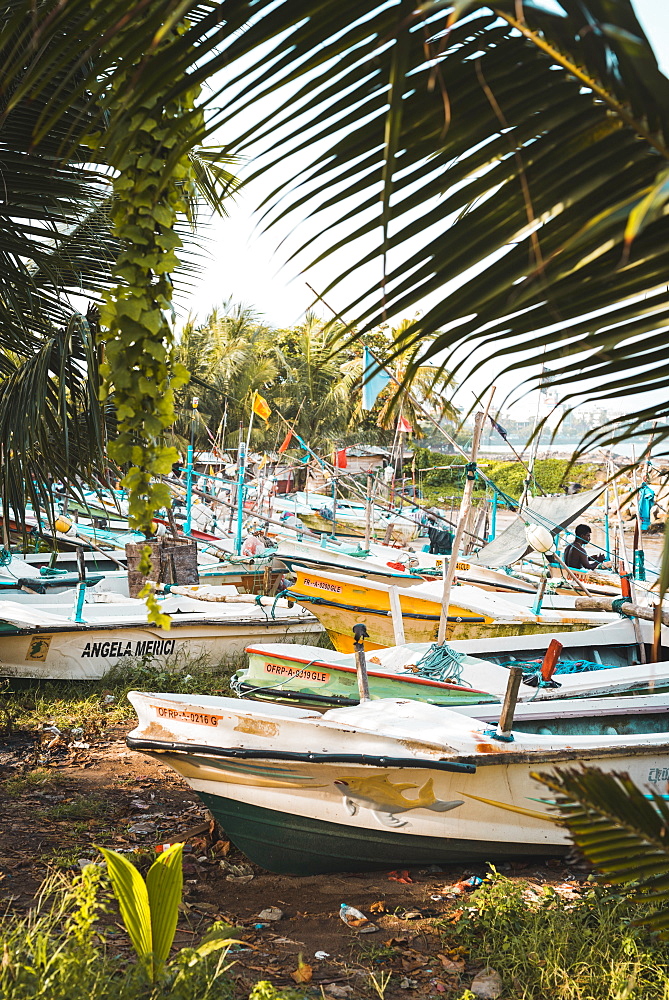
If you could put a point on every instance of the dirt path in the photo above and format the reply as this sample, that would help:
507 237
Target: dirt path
57 803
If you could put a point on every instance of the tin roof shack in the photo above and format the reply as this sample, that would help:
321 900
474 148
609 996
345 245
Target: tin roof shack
360 458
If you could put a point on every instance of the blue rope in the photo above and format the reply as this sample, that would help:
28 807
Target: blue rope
563 667
279 593
441 663
617 605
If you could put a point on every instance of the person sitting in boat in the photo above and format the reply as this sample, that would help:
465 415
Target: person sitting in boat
575 555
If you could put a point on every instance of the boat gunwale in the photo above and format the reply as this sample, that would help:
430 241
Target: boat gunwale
509 755
125 623
307 757
412 678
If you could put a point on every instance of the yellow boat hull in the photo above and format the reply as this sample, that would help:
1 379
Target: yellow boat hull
315 522
342 603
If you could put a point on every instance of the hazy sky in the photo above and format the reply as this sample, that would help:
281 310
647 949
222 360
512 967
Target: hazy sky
250 266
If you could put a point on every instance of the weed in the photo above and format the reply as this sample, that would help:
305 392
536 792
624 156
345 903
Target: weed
64 857
82 808
17 786
565 948
380 985
266 991
377 952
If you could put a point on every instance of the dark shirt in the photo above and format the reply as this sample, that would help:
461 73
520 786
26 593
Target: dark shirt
576 557
441 541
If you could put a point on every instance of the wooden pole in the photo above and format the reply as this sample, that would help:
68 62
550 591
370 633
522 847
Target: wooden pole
460 530
628 608
629 569
368 513
360 633
505 724
657 632
396 613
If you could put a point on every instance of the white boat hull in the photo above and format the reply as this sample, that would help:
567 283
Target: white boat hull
381 785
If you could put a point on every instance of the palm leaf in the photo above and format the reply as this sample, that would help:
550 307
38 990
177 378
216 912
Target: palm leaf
133 900
164 884
493 163
623 831
59 65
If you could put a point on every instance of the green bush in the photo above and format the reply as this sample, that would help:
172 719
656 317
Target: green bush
551 473
544 945
59 952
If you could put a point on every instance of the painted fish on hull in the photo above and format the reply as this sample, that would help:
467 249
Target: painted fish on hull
386 799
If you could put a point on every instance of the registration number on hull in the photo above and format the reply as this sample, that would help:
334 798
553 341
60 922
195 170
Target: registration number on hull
279 670
184 715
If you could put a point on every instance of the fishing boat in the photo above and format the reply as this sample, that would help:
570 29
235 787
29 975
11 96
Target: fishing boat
393 615
41 640
16 575
383 784
595 662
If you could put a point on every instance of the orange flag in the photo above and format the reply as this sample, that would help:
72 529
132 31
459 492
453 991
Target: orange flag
285 442
261 407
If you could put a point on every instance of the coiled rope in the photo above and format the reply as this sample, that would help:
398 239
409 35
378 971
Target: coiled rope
441 663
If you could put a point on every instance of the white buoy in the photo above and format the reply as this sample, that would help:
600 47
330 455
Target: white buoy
539 538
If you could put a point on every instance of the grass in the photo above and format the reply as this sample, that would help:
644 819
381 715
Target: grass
81 808
38 779
543 945
89 707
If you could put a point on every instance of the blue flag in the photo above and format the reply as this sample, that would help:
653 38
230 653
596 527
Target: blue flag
371 387
498 427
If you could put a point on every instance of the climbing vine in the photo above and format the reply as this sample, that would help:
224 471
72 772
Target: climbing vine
153 184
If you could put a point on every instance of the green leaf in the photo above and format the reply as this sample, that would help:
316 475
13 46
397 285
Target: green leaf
649 208
164 884
133 900
620 829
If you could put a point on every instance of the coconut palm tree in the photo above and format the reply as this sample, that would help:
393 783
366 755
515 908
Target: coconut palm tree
56 243
512 156
230 356
313 392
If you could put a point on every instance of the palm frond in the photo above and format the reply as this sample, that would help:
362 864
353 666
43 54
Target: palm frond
622 830
52 426
493 163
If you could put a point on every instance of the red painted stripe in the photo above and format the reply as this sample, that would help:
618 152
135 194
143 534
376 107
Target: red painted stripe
411 678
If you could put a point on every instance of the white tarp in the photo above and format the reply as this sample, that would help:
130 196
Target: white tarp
551 512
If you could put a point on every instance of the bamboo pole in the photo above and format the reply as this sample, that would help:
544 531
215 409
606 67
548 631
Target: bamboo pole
459 531
628 608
